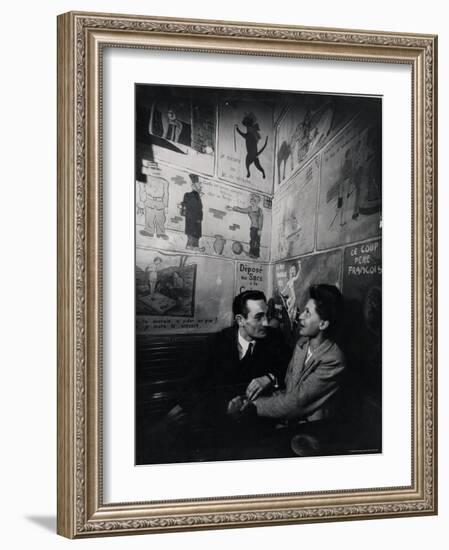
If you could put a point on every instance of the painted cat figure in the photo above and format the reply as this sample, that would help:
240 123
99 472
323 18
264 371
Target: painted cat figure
252 137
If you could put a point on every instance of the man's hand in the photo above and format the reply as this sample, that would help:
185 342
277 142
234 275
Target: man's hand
235 406
240 407
257 386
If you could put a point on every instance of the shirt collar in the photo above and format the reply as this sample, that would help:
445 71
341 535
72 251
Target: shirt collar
243 344
303 342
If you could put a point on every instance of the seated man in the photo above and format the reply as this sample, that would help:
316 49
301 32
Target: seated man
248 353
314 375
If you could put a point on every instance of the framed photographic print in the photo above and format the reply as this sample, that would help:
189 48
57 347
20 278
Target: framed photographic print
247 274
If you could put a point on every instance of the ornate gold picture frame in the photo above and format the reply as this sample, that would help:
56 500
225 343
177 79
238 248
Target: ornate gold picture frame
83 510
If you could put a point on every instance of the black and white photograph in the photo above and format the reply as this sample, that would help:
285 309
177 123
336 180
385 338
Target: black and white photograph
235 253
258 278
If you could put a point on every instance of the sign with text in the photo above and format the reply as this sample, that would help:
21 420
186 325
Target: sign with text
251 276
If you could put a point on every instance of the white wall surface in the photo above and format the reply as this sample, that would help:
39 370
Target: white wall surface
28 274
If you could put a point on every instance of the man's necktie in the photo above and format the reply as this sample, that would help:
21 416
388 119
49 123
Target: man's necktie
248 353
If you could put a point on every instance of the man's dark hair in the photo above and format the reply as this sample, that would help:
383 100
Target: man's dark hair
328 304
239 305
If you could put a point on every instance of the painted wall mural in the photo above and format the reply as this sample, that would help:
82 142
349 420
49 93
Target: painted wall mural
292 278
176 125
293 218
246 144
309 123
182 211
351 186
180 293
291 281
207 210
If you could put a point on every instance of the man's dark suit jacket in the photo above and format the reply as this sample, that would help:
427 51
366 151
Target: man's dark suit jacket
225 375
192 209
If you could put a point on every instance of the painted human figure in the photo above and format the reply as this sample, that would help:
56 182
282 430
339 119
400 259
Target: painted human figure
278 316
289 291
191 208
371 201
358 178
151 272
178 281
344 186
153 200
255 214
302 137
174 127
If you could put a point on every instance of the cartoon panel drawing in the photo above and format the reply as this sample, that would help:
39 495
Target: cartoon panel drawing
153 200
187 212
351 186
293 218
291 280
246 144
165 289
176 125
252 137
255 214
316 269
307 126
282 308
180 293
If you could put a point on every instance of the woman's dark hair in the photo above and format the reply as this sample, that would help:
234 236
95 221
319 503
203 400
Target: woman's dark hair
329 305
239 306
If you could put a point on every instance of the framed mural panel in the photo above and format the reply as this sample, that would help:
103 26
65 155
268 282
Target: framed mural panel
232 247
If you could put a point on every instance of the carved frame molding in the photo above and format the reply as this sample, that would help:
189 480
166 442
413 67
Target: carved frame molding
81 37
